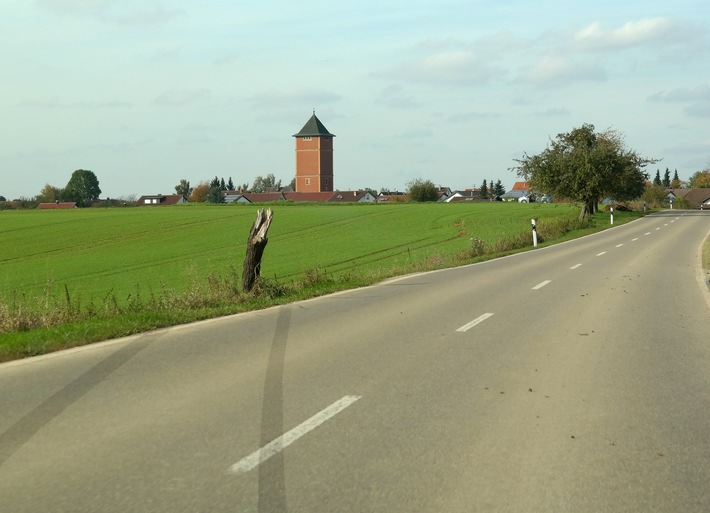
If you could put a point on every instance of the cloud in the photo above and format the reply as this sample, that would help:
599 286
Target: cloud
654 31
124 12
395 97
697 94
698 99
465 117
55 102
558 70
698 110
454 67
553 112
174 97
311 97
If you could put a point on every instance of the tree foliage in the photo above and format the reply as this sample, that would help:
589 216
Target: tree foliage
82 188
49 194
422 190
214 195
657 178
183 188
700 179
199 193
265 183
586 166
676 183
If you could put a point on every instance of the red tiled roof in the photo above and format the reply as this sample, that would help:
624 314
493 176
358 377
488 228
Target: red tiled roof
521 186
308 196
263 197
56 205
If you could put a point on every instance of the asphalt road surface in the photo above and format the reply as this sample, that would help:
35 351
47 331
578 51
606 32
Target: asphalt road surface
573 378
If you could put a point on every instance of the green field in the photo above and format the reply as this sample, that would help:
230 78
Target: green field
94 252
71 277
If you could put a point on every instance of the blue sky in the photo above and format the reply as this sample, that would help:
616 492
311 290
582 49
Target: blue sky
147 92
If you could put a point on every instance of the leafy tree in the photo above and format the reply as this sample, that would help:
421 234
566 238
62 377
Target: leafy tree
700 179
183 188
657 179
586 166
654 196
199 193
422 190
82 188
667 178
484 190
265 183
49 194
2 198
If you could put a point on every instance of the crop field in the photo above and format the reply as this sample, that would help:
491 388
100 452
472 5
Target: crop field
95 252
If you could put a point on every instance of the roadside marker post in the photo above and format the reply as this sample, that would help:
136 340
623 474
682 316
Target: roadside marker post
534 233
611 209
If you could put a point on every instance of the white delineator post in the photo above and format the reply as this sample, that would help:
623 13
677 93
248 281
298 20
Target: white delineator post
611 209
534 230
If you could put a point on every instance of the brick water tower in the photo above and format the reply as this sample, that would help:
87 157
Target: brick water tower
314 157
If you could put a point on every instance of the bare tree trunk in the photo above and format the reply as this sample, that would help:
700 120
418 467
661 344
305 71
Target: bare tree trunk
255 249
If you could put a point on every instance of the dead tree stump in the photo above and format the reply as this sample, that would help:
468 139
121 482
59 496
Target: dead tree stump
255 249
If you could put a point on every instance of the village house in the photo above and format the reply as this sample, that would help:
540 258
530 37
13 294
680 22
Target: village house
161 199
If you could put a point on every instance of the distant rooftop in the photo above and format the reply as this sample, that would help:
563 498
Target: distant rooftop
314 128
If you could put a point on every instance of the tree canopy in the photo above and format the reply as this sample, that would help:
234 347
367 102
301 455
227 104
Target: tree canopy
82 188
585 166
422 190
700 179
265 183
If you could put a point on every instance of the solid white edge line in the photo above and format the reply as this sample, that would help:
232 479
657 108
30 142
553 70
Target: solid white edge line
540 285
277 445
471 324
575 267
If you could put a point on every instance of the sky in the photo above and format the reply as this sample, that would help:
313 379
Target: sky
145 93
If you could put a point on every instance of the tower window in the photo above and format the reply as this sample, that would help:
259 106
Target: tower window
308 181
307 138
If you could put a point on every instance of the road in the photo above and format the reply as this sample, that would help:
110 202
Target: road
572 378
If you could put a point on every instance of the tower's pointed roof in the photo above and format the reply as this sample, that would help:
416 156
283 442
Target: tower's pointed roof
314 128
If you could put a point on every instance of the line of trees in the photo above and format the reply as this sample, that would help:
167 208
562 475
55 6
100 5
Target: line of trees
212 191
82 189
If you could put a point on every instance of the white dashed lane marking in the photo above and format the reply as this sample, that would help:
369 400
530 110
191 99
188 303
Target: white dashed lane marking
279 444
471 324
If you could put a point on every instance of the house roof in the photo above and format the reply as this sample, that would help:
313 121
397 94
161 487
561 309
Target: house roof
314 128
263 197
163 199
521 186
697 196
348 196
56 205
308 196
